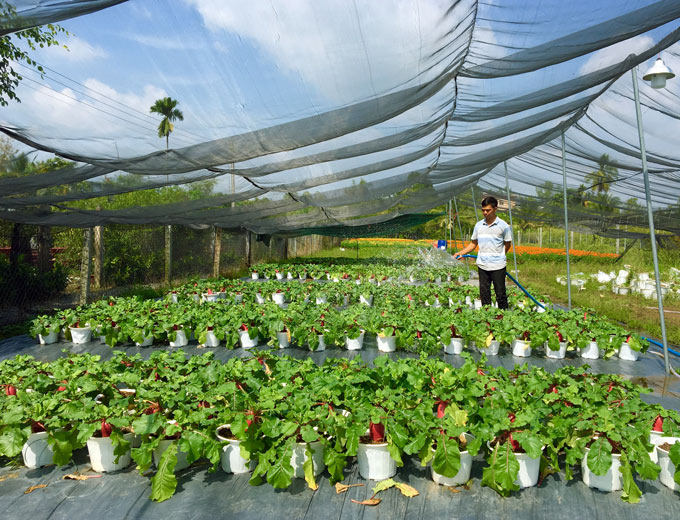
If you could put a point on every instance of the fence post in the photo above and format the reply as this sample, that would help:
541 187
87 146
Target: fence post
217 251
248 248
85 262
168 254
98 255
540 237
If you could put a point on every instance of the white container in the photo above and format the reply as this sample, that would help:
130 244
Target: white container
299 456
321 300
278 298
667 469
492 349
375 462
181 456
627 353
528 470
238 298
386 343
461 477
623 291
521 348
477 304
657 439
556 354
279 276
611 481
254 275
246 340
259 298
345 300
290 275
366 301
232 461
455 346
592 351
647 292
180 339
643 276
212 297
173 297
322 344
36 451
102 458
211 340
468 300
284 342
52 337
148 341
80 334
355 344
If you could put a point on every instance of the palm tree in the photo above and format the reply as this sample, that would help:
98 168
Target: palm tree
606 173
167 107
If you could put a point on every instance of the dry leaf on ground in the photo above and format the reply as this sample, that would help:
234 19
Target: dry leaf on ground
33 488
341 488
9 475
406 490
71 476
367 502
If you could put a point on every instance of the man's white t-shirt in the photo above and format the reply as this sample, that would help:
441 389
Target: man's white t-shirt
491 241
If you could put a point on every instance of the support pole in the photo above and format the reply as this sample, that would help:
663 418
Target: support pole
168 254
474 203
507 188
85 264
460 228
540 237
650 217
566 218
217 251
98 255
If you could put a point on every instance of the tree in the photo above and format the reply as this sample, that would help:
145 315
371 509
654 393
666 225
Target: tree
44 36
606 173
167 107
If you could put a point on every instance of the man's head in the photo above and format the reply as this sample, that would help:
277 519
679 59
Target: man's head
489 205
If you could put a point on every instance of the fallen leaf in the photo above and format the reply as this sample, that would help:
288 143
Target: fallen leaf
33 488
383 485
9 475
368 502
71 476
341 488
406 490
453 489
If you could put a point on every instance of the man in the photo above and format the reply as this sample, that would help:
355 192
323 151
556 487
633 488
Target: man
494 238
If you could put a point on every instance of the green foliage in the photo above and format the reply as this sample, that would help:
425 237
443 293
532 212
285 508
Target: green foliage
23 283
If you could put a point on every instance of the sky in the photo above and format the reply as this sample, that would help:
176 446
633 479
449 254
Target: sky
240 66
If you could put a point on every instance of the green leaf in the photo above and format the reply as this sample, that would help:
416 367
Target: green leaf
120 445
530 443
383 485
11 442
631 492
446 457
600 457
146 424
335 464
308 467
502 470
280 474
674 455
191 443
164 482
63 444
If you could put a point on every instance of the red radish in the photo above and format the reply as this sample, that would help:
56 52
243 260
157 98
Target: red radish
419 334
376 432
10 390
204 404
511 416
568 404
37 427
175 327
113 323
585 314
106 429
628 339
611 385
441 408
559 336
126 363
552 389
244 327
209 327
110 304
157 377
658 424
195 284
209 290
513 443
480 372
62 388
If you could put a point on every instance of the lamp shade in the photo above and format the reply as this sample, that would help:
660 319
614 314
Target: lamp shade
658 74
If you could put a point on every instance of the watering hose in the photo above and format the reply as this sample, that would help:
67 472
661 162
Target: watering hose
653 342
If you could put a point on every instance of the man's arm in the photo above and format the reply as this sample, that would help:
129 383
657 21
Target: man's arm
467 249
508 246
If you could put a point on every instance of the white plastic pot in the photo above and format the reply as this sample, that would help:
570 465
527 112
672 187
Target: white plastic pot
611 481
279 276
173 297
375 462
320 300
592 351
528 470
284 342
492 349
461 477
299 457
556 354
36 451
321 346
80 334
366 301
254 275
477 304
102 458
355 344
455 346
52 337
666 476
180 339
148 341
623 291
627 353
657 439
386 343
212 297
278 298
181 456
232 461
238 298
259 298
211 340
246 340
521 348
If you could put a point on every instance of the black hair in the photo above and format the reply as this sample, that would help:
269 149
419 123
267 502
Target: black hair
490 201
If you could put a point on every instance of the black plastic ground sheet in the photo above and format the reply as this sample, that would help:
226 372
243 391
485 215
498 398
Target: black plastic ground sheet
200 494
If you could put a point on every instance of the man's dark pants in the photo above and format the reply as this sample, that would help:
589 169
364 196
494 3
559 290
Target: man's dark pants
498 279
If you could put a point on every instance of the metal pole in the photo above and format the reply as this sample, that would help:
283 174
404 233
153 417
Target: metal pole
474 203
650 217
460 228
507 188
566 217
